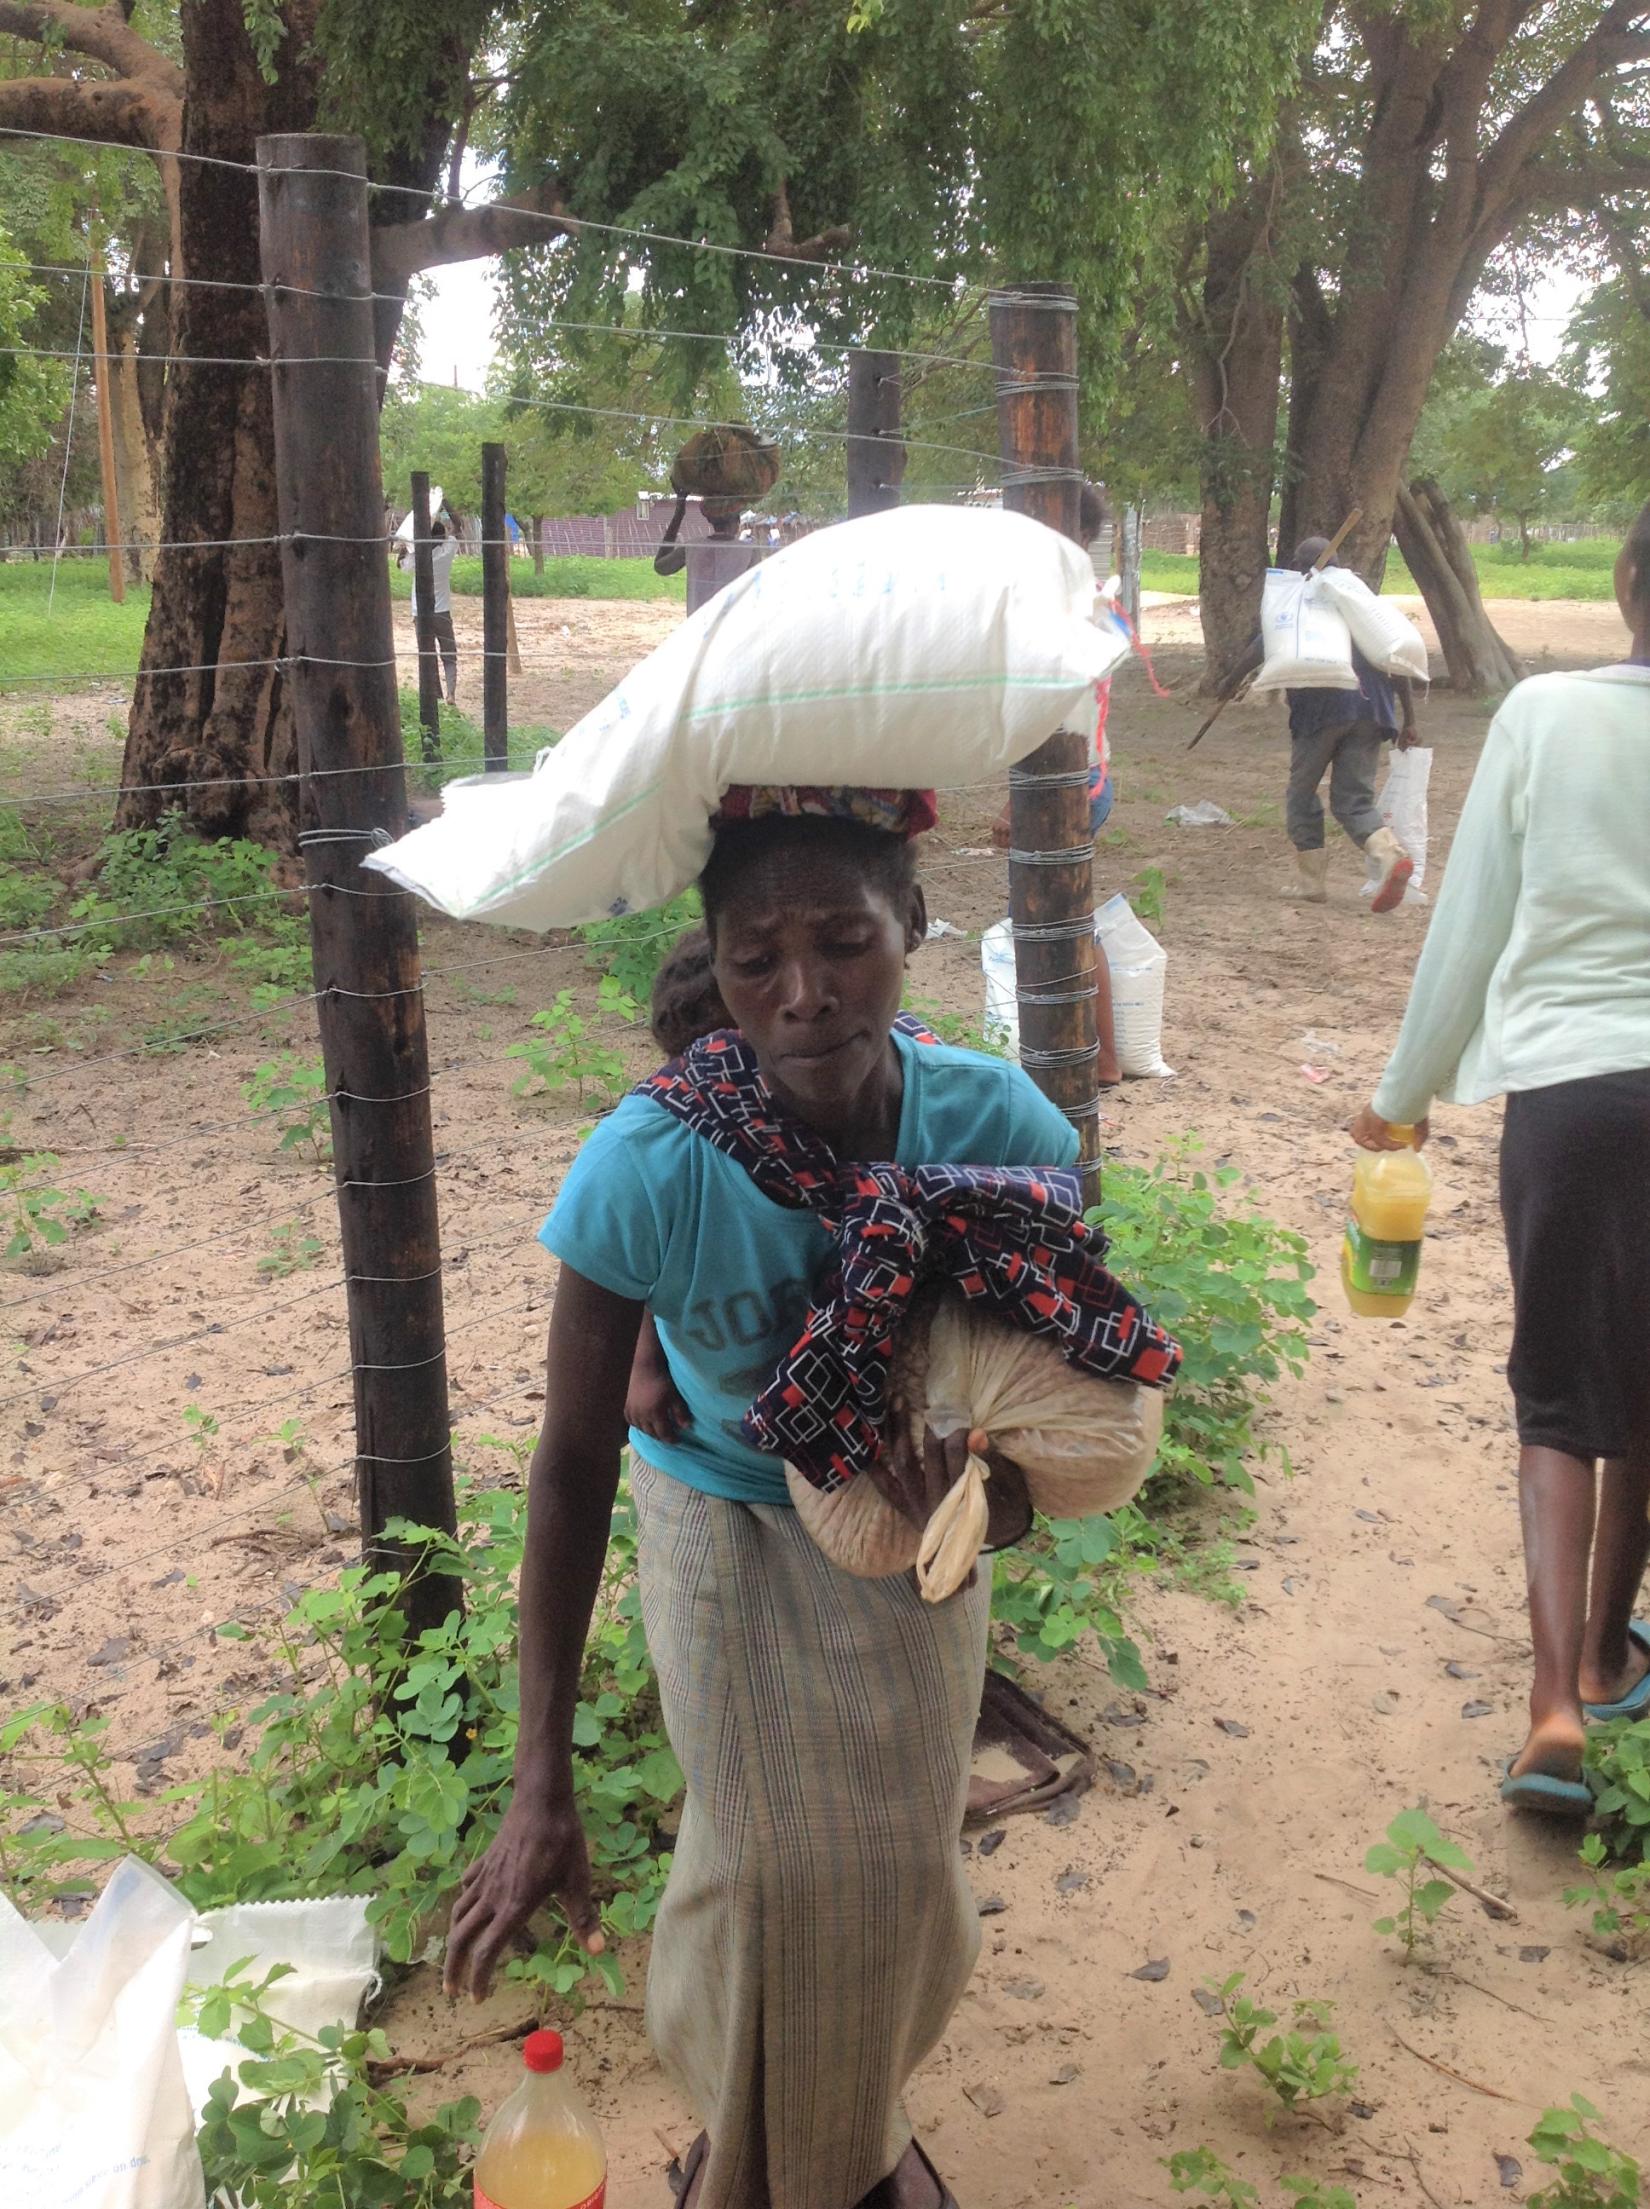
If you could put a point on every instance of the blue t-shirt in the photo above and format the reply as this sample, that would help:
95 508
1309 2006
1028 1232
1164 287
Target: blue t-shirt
654 1212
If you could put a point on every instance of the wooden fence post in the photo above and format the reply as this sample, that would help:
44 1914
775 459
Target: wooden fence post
495 612
875 452
363 932
1051 855
429 666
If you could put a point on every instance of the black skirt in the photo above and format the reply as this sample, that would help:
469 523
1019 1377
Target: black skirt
1575 1197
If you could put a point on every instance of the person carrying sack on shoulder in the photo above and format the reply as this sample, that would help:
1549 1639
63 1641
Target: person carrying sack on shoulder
1339 733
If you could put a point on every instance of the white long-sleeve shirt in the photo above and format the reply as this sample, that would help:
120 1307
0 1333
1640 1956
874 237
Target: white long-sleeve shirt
442 554
1536 968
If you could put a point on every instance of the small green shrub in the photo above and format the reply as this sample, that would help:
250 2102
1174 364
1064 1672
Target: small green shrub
1304 2064
1589 2172
290 1251
164 884
1620 1898
566 1052
293 1092
632 948
1412 1847
39 1216
1617 1764
1201 2171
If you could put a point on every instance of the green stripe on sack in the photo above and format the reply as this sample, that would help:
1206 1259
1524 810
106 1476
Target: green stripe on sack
880 690
549 858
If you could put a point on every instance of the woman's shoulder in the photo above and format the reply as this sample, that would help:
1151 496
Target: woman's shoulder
981 1110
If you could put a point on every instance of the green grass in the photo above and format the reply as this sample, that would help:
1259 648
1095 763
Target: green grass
1575 571
83 633
562 578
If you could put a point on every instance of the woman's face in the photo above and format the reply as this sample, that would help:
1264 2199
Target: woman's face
810 957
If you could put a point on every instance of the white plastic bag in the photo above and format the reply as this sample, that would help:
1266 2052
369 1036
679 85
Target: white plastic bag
1387 638
1304 635
1138 966
406 533
1403 804
932 644
94 2112
1083 1444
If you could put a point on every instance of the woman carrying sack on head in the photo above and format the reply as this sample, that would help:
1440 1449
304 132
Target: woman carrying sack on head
1535 983
817 1930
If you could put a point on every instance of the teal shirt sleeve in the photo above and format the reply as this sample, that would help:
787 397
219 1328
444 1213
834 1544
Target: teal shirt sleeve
607 1223
1038 1133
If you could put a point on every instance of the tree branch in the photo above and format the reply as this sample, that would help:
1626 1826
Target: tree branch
1613 42
400 250
100 34
117 114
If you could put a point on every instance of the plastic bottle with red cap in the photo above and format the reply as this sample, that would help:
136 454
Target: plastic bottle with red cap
543 2150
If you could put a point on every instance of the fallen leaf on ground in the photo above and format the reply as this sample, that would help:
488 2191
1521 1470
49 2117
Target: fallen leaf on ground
1157 1969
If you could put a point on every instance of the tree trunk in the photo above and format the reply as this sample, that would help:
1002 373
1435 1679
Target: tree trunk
220 726
134 461
1434 544
1236 359
538 544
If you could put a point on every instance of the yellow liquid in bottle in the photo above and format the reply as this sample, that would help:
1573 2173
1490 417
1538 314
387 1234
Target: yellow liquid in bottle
1381 1253
543 2152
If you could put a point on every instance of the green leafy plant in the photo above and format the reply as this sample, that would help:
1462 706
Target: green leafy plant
632 948
160 885
1413 1847
1589 2172
1148 892
383 1761
565 1051
41 1217
276 958
1230 1285
1201 2171
290 1251
1313 2193
293 1091
1303 2064
1617 1764
302 2118
1620 1897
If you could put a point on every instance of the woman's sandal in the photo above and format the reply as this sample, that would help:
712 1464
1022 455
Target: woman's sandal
1636 1702
685 2169
1549 1797
882 2193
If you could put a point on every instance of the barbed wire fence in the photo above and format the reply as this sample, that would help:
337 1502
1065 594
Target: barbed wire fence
333 1414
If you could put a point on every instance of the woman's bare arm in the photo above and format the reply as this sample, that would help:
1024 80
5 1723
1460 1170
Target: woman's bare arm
539 1849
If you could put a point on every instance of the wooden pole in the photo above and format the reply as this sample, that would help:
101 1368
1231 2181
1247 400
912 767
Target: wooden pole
875 452
429 666
495 612
106 435
1051 852
363 933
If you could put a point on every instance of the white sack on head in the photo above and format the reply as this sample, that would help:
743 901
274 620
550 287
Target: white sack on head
932 644
1387 638
1304 635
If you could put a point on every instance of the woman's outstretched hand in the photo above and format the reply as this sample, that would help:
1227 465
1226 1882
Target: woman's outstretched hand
538 1852
1371 1133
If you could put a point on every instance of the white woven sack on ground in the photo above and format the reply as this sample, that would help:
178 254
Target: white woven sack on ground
1138 966
94 2111
1304 635
932 644
1403 804
1387 638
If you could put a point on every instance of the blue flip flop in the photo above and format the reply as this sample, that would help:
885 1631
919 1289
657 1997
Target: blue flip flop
1539 1791
1636 1702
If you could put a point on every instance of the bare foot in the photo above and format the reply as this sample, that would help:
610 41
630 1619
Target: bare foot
1554 1748
1611 1687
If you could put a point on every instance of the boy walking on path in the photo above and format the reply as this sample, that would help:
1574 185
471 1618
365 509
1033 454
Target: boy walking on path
1340 733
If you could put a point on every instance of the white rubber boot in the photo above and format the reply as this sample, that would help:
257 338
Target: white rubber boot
1396 868
1311 886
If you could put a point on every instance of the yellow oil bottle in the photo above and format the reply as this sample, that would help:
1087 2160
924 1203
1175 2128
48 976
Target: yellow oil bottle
543 2150
1381 1253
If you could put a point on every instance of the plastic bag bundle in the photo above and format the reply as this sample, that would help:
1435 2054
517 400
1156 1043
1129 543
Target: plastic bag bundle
929 644
1083 1444
1303 634
1387 638
1138 966
1403 804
